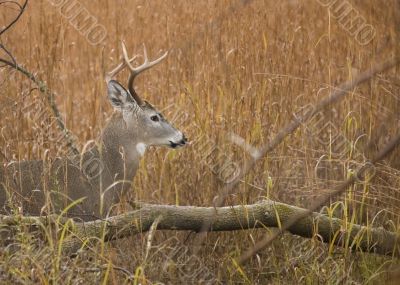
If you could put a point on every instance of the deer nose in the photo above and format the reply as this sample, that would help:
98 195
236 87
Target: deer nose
184 139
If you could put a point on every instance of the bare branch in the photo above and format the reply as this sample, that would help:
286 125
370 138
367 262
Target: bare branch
297 217
338 94
50 99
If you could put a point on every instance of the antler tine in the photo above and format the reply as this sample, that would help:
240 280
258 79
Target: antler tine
120 67
115 71
135 71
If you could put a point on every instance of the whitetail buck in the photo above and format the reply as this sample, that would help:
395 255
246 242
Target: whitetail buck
101 175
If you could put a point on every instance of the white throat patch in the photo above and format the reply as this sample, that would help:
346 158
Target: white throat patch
141 148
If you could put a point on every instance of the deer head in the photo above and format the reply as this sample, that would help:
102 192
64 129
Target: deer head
143 125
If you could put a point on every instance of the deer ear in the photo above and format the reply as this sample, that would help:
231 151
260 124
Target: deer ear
119 96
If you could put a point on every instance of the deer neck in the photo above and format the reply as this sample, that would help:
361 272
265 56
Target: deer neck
122 148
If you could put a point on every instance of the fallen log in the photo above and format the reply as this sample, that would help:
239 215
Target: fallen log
266 213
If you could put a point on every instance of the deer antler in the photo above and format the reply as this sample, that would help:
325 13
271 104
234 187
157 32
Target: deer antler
135 71
118 69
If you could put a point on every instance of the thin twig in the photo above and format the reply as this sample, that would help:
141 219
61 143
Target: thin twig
22 10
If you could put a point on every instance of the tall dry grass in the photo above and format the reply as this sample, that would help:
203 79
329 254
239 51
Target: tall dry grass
233 67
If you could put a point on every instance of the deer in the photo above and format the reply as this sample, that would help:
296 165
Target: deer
89 185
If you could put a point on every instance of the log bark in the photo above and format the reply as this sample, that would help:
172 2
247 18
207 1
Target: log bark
266 213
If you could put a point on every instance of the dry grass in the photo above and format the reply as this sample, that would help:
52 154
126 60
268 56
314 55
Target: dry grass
233 67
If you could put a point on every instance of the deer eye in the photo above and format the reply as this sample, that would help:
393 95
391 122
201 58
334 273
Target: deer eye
154 118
